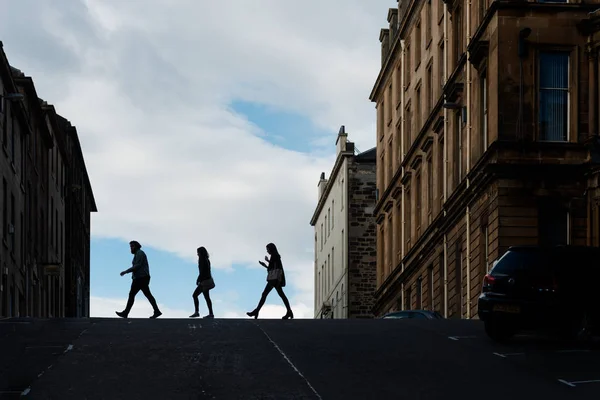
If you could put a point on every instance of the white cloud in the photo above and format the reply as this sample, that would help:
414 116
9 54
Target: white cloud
149 85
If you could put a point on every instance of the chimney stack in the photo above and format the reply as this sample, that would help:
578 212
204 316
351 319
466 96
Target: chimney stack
322 184
341 141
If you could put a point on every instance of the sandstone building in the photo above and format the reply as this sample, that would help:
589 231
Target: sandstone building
484 124
345 235
42 170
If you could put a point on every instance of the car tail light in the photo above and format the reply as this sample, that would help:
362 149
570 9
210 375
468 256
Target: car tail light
488 282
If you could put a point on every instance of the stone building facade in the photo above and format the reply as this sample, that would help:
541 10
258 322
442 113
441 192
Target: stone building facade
483 124
362 235
345 236
35 183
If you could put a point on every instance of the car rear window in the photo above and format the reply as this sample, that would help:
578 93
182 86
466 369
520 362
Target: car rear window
519 260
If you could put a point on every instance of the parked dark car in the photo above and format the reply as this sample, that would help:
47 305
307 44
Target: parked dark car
543 289
413 314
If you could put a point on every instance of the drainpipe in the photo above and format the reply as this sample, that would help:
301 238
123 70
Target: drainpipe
468 163
445 166
402 152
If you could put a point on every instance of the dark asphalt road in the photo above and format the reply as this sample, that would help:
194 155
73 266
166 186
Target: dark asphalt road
275 359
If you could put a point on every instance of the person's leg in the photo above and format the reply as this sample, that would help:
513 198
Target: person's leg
208 302
263 298
146 290
195 295
135 288
285 301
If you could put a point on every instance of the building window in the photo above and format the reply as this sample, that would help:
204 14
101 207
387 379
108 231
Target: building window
328 274
407 218
440 11
429 186
332 215
458 271
398 76
553 224
332 266
554 96
418 110
390 113
441 64
381 120
407 129
342 196
420 293
484 111
428 23
322 236
418 197
381 253
390 163
398 226
390 244
440 174
408 298
441 282
457 149
458 34
407 63
12 223
5 209
418 44
430 294
430 94
343 265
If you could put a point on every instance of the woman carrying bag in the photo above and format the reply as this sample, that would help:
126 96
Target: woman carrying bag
204 283
275 279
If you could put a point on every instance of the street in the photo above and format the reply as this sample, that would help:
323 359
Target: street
275 359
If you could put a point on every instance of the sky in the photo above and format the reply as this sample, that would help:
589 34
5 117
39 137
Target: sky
203 123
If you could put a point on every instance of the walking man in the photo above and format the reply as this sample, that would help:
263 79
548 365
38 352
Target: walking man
140 275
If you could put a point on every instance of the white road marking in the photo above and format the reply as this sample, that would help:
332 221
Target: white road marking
575 383
26 392
68 348
590 381
508 354
461 337
566 383
290 363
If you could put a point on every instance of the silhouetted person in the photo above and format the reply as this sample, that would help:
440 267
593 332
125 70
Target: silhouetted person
140 275
275 279
204 283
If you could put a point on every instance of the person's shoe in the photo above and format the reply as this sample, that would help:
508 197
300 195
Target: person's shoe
209 316
289 315
253 313
194 315
156 315
121 314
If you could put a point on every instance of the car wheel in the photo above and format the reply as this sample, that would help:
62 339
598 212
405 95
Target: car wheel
499 331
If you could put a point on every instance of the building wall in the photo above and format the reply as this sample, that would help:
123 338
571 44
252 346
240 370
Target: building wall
362 240
331 228
33 166
450 221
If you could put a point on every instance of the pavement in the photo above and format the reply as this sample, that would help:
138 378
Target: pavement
275 359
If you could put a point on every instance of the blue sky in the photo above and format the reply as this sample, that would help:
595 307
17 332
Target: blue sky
206 124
